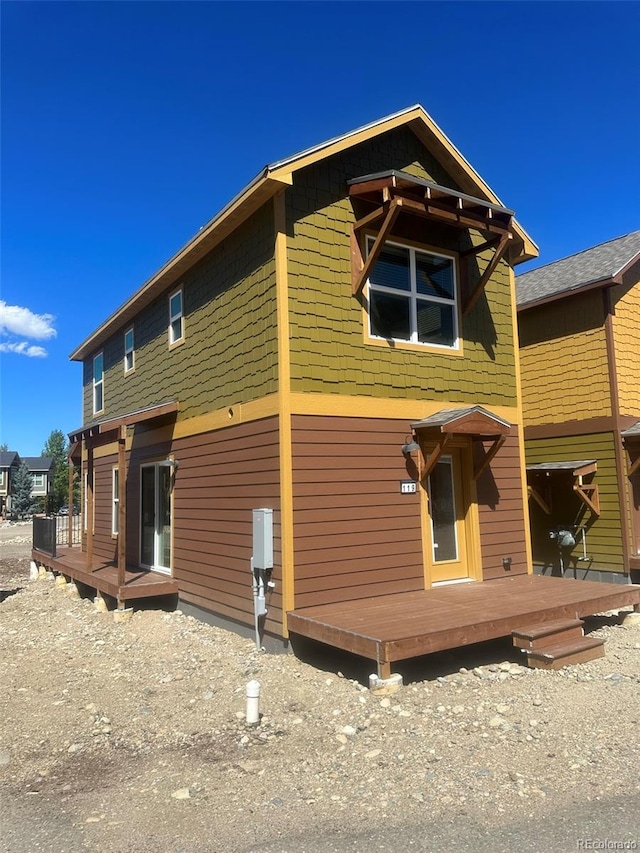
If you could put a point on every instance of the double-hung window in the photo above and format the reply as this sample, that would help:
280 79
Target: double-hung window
176 319
129 357
98 384
412 297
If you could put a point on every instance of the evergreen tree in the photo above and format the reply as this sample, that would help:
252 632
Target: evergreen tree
21 501
57 448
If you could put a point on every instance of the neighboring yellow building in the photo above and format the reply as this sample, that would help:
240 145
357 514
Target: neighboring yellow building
579 322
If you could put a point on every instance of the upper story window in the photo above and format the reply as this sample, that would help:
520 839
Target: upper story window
129 355
412 297
176 319
38 481
98 383
2 479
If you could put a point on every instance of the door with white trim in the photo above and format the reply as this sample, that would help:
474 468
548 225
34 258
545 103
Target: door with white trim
448 559
155 516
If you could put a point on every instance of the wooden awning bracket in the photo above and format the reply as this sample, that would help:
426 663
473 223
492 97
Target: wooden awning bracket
542 503
432 460
362 268
634 466
589 495
488 456
500 250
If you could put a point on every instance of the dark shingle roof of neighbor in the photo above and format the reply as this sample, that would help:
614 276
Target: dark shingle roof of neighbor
38 463
7 457
633 431
577 271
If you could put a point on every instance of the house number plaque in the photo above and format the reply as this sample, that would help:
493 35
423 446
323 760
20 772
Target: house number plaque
407 487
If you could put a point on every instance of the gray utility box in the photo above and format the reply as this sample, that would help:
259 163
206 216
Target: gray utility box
263 538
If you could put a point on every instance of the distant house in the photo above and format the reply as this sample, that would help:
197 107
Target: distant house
9 464
41 469
579 327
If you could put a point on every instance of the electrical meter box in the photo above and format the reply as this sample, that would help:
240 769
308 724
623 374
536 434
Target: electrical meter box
263 538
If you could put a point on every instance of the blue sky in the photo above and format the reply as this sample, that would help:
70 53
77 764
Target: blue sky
126 126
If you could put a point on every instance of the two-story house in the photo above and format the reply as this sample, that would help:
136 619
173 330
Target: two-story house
41 469
337 347
9 464
579 321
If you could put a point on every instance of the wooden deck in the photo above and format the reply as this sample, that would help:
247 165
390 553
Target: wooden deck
103 576
395 627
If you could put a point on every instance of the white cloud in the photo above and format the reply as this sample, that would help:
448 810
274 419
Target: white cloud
21 321
24 348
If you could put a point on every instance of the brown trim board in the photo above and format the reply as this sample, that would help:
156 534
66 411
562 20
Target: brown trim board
606 423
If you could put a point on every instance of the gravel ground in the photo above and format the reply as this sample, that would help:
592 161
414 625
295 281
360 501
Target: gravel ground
131 736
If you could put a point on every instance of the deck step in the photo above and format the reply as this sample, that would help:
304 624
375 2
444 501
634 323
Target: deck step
565 653
545 634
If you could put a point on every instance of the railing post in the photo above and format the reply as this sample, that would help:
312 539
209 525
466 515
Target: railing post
70 504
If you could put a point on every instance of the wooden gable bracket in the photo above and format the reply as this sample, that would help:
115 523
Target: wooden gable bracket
498 441
500 250
542 503
361 268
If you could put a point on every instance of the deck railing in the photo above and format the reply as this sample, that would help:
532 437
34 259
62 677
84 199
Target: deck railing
44 535
62 529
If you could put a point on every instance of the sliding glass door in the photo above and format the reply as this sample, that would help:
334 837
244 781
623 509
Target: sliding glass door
155 520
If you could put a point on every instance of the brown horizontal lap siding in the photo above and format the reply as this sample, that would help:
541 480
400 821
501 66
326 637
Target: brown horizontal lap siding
221 477
501 513
105 546
355 534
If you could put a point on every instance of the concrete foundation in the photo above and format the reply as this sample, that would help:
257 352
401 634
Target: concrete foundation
385 686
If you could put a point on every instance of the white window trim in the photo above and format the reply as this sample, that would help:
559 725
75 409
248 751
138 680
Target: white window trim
99 383
173 318
115 502
129 352
414 297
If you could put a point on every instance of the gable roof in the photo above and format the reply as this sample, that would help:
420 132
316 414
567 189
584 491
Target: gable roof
7 458
278 175
594 267
38 463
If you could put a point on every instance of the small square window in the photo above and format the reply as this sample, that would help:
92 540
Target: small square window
129 353
176 320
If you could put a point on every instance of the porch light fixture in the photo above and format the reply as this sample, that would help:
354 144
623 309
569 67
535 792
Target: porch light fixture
410 447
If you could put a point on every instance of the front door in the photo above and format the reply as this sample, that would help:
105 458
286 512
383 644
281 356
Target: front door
155 523
446 511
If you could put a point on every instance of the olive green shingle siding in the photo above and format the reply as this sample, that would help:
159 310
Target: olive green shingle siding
604 540
229 355
328 351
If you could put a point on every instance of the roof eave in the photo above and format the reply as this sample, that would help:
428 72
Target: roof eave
571 291
259 190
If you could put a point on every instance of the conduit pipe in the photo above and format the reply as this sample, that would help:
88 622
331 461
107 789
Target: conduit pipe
253 703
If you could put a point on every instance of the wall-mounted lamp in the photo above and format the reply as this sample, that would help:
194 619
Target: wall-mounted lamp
410 447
